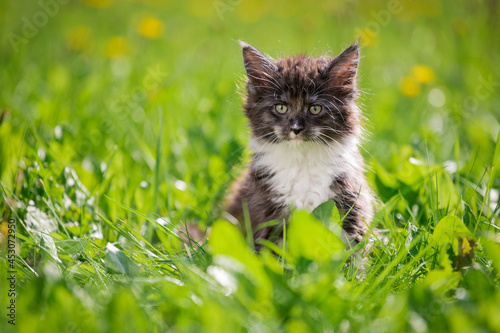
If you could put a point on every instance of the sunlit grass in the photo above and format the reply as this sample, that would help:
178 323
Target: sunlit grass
121 125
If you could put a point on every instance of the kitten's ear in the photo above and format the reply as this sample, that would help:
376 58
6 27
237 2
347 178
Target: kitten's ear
259 68
342 70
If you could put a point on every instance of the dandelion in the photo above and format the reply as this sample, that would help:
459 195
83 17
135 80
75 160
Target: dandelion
150 27
409 86
117 47
367 37
422 73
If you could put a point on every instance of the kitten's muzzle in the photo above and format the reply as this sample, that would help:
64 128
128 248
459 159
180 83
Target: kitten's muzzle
297 126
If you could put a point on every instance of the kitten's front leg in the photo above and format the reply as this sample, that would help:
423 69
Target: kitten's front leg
354 204
353 224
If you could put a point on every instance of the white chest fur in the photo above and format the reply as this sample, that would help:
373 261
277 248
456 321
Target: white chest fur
303 172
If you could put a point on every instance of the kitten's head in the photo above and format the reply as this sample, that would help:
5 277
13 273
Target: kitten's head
298 99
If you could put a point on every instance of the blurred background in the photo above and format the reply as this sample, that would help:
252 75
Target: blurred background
140 99
121 119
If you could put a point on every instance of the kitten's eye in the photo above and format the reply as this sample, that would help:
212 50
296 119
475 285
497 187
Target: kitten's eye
281 108
315 109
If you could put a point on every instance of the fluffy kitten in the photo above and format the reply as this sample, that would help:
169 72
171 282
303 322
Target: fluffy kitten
305 135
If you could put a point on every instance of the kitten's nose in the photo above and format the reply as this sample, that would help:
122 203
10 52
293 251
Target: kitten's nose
297 125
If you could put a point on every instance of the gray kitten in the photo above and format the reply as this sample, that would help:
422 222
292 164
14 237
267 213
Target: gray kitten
305 136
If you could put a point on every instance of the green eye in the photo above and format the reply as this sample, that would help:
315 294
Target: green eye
315 109
281 108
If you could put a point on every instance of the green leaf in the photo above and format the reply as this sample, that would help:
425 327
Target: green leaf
468 217
271 261
447 195
492 249
308 238
118 261
227 241
440 281
71 246
448 230
324 211
327 212
386 178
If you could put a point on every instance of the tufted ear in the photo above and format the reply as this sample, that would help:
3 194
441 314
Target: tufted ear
342 70
259 68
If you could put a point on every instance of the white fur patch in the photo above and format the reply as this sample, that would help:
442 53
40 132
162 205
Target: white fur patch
303 171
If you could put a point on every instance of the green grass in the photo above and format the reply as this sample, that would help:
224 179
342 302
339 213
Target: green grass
123 122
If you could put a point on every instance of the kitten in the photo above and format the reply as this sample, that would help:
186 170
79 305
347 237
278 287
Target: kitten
305 135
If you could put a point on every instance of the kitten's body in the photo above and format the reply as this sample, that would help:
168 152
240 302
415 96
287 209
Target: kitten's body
302 159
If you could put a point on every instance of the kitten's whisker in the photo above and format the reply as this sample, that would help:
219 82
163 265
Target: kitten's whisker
263 136
323 137
340 113
274 83
334 97
329 111
262 87
313 83
320 143
337 131
320 86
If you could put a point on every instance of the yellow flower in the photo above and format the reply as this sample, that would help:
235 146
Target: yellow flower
422 73
150 27
409 87
79 38
367 36
117 47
